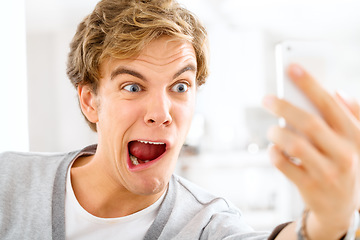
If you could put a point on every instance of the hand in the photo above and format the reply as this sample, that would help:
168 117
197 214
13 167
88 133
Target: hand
351 104
328 176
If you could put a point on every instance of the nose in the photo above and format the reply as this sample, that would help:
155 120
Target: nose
158 111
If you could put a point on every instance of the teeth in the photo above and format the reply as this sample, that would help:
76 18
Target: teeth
134 160
148 142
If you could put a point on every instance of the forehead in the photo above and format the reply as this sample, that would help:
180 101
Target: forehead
161 55
166 50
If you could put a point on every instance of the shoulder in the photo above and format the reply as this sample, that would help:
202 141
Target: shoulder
33 162
43 158
33 185
23 166
198 214
29 160
198 194
9 157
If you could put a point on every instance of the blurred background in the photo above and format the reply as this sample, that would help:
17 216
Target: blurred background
226 148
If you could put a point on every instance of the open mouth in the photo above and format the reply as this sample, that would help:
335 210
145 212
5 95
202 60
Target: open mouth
141 152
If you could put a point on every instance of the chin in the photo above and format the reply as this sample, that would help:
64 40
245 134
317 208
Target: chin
151 186
152 176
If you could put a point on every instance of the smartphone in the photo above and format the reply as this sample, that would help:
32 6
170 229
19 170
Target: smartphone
313 56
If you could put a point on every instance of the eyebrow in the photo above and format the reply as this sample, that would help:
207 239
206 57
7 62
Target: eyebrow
189 67
124 70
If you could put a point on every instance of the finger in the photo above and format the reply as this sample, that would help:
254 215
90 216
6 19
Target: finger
350 103
294 145
352 110
311 127
323 101
295 173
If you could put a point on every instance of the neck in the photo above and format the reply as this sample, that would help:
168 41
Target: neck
102 196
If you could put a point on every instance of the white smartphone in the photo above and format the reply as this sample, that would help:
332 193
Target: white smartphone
313 56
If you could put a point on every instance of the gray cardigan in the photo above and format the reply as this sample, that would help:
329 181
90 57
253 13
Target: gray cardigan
32 203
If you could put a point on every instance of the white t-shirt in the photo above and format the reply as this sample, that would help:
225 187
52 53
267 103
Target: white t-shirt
81 225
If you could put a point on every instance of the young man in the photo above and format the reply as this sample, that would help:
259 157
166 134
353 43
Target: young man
136 66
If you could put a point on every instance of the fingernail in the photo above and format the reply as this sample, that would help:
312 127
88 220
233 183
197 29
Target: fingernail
296 70
268 100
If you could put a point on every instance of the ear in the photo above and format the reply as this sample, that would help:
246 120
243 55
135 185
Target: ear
88 104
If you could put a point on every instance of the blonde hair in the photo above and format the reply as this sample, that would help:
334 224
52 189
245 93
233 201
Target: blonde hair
122 28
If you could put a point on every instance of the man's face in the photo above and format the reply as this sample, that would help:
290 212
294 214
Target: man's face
144 110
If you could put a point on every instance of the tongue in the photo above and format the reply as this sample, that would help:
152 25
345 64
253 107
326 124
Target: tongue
146 151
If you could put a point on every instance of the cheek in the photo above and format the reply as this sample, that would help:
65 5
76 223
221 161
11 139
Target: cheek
118 116
184 114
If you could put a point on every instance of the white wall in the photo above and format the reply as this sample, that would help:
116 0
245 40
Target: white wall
242 34
13 97
242 39
55 120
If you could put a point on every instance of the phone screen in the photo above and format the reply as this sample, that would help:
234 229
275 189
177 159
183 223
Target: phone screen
313 56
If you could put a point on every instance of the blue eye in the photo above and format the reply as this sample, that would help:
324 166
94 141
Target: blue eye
132 88
180 87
